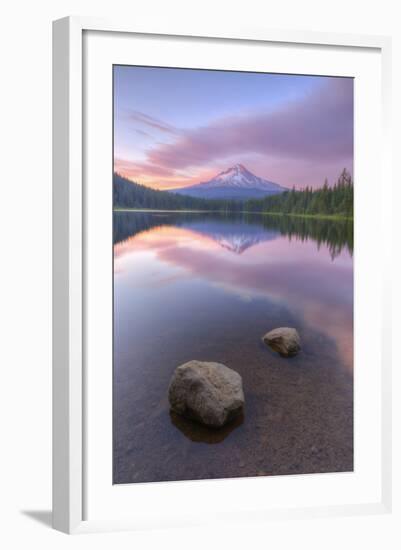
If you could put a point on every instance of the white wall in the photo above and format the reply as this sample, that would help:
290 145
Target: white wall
25 219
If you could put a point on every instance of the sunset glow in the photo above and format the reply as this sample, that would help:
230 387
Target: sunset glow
177 127
283 276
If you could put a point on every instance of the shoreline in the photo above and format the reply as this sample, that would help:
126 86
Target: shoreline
118 209
333 217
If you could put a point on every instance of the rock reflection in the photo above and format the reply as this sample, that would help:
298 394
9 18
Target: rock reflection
202 434
210 286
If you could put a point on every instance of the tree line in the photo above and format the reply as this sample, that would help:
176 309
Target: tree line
336 200
336 236
127 194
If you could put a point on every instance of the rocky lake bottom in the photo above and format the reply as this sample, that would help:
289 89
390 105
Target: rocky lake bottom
208 287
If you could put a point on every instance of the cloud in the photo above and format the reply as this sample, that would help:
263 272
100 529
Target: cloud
311 135
318 127
147 120
137 169
142 132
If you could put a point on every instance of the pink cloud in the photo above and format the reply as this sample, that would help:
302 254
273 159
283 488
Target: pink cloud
137 169
301 143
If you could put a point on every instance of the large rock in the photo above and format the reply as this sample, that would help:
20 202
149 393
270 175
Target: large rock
210 393
284 340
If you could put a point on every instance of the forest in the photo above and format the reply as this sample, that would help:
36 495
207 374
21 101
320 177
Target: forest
127 194
332 201
336 200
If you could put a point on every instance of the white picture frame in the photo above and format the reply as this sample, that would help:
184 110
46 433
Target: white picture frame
70 382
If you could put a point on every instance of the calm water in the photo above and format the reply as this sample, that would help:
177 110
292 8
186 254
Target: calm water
207 287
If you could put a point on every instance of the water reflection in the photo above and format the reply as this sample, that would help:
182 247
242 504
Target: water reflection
207 286
202 434
251 260
241 231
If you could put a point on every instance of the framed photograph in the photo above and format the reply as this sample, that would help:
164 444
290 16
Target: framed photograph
219 265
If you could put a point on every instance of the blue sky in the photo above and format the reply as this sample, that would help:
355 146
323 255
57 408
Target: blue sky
176 127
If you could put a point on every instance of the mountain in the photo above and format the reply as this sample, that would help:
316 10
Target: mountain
236 183
128 194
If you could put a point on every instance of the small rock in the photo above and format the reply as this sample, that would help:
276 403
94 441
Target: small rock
207 392
284 340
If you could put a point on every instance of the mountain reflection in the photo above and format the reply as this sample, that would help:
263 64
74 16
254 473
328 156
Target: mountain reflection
303 265
207 287
238 233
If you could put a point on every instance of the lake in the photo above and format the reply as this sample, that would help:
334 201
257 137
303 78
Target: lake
208 286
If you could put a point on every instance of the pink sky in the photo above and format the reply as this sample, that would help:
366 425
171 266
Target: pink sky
293 130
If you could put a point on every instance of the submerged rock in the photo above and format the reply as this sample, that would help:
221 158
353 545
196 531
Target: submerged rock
209 393
284 340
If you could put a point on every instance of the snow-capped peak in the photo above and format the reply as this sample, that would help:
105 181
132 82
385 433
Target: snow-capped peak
235 183
237 171
239 176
